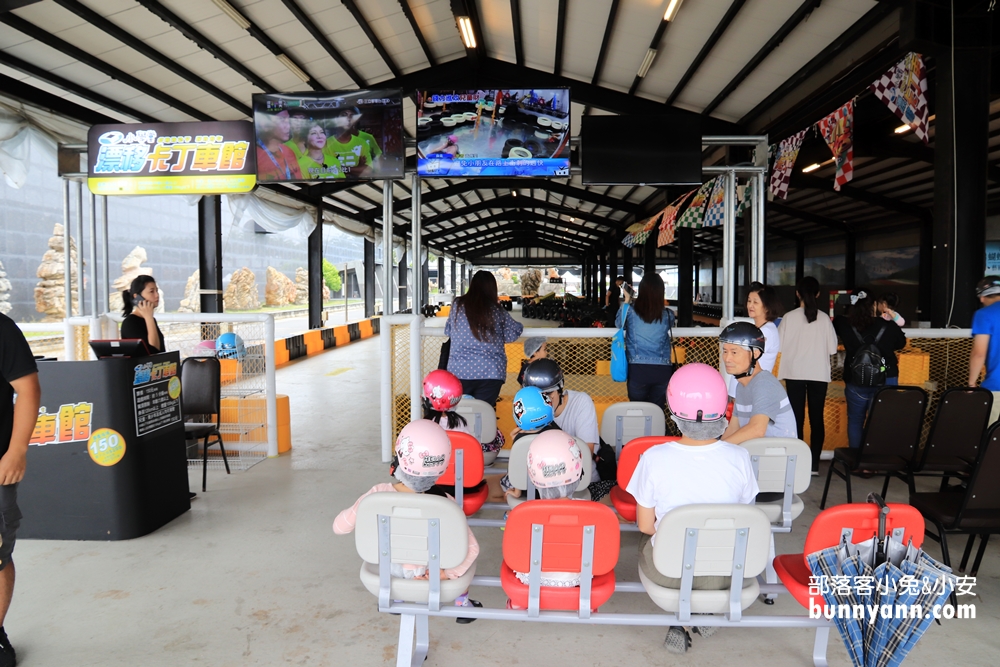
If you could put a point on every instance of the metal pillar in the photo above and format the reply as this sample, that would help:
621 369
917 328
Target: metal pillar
627 264
387 203
315 260
697 278
210 253
602 276
454 287
93 257
649 255
79 252
105 258
729 248
425 277
67 256
461 288
417 242
758 266
440 276
715 278
685 267
800 260
401 270
369 278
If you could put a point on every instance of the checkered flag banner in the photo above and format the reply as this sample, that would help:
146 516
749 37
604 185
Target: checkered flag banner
838 131
668 221
788 151
904 90
695 212
744 197
632 230
715 210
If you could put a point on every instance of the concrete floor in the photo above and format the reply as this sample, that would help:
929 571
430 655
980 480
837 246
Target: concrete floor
253 574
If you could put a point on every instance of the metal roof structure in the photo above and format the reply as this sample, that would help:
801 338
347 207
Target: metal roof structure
745 66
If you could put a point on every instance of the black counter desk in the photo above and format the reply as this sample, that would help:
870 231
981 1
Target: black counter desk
86 482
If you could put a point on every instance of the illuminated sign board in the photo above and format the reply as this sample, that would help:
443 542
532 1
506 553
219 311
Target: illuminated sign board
171 158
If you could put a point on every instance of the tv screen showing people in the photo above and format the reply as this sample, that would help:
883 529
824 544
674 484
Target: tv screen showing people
510 132
340 135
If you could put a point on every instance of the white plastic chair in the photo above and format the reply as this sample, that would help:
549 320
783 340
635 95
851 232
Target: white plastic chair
517 469
414 529
623 422
783 471
481 420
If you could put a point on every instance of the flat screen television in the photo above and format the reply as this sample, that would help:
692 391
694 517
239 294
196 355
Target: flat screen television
124 347
340 135
641 150
507 132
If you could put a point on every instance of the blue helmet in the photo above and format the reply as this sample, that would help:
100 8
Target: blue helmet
532 410
230 346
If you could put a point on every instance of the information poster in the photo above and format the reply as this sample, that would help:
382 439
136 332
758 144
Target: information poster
156 391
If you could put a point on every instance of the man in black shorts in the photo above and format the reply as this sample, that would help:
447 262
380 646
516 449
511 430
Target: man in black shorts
18 376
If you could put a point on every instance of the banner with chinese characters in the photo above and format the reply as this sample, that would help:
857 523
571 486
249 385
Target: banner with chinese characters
838 131
171 158
904 90
788 151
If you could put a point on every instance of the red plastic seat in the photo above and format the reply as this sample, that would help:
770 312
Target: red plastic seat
562 524
629 459
472 471
793 569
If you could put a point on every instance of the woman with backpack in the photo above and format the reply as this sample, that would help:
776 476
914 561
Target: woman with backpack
870 364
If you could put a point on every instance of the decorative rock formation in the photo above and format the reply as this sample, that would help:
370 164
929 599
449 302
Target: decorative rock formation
280 290
302 288
5 305
242 291
191 303
132 267
50 293
530 281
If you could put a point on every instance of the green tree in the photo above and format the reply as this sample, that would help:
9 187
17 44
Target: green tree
331 276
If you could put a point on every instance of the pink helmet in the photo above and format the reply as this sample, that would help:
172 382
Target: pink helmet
443 390
554 459
423 449
697 393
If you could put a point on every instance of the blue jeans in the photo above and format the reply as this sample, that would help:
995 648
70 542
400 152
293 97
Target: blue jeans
859 402
648 383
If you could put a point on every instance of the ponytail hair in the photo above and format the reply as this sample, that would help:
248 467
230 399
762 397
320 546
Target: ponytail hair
808 290
136 287
452 420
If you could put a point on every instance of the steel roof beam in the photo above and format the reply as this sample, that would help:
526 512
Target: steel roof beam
521 230
515 20
560 36
654 45
809 216
323 41
706 49
507 216
526 203
408 13
801 180
46 100
372 37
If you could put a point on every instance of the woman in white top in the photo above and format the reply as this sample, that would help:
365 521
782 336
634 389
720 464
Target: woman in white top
763 309
807 341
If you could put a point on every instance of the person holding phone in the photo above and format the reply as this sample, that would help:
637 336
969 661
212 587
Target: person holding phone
141 299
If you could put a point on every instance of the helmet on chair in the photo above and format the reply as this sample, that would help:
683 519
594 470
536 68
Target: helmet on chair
554 459
442 390
544 374
532 410
697 393
423 449
230 346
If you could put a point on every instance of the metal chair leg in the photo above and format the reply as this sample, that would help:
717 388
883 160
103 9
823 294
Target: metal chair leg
847 478
983 539
222 448
826 488
819 646
967 552
204 463
885 485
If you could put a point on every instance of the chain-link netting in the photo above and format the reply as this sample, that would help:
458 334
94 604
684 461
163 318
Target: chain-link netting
934 364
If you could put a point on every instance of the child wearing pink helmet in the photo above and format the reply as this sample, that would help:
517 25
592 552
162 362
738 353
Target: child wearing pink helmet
421 456
698 468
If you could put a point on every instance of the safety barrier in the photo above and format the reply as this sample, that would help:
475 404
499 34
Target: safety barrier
934 359
315 341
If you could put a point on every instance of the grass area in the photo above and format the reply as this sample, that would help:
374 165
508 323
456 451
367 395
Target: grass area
43 334
334 303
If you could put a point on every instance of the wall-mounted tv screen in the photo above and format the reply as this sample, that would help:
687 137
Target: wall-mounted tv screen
339 135
510 132
669 153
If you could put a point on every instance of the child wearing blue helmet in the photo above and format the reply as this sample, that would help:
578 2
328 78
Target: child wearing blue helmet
533 414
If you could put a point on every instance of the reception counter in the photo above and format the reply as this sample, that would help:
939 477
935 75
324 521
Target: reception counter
107 459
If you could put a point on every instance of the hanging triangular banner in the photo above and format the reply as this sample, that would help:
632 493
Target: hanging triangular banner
904 90
788 151
838 131
668 219
715 210
744 197
695 212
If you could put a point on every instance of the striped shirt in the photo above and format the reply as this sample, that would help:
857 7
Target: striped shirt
764 395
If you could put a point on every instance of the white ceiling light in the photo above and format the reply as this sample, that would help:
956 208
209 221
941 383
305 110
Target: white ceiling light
647 62
813 167
902 129
465 27
231 12
292 67
672 9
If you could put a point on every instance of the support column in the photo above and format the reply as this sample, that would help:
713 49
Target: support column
315 292
748 238
715 278
627 264
649 255
80 303
454 287
425 278
441 282
105 262
685 266
416 242
369 278
387 203
210 253
800 260
461 288
697 277
401 270
602 276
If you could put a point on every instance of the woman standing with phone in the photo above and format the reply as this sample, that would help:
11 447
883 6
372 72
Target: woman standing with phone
141 299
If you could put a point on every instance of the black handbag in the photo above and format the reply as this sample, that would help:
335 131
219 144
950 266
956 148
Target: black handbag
445 353
605 462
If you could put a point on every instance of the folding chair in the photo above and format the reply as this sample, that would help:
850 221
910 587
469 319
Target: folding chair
560 536
481 419
858 522
974 512
627 462
623 422
201 396
782 467
891 437
517 469
952 445
465 473
416 529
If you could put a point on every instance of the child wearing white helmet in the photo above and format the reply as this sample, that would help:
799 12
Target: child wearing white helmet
555 466
698 468
421 456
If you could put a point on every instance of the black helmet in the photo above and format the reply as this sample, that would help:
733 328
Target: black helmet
544 374
988 286
744 334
